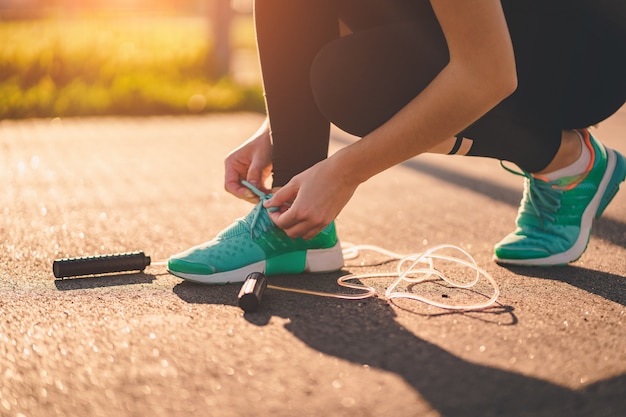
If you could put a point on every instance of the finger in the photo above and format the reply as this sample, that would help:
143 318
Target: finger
281 219
232 184
231 179
255 176
303 230
283 197
239 191
293 229
312 232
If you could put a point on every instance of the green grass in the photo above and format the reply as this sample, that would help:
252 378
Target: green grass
57 68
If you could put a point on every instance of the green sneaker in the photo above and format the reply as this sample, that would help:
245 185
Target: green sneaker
554 219
255 244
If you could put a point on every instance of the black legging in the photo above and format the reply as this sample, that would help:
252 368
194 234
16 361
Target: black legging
570 57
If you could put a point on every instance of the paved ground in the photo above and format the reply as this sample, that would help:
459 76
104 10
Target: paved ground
152 345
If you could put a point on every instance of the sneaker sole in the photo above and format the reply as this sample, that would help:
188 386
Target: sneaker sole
608 187
317 261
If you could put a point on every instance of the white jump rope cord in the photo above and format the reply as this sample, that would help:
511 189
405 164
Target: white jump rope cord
420 269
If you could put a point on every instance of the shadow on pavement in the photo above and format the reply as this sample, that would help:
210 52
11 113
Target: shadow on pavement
492 315
194 293
609 286
366 332
113 280
482 186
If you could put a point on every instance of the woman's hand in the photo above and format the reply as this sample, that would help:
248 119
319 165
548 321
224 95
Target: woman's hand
312 199
252 161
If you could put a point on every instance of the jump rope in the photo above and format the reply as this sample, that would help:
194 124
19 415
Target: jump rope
411 269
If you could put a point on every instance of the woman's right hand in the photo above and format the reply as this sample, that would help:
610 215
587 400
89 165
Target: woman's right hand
251 161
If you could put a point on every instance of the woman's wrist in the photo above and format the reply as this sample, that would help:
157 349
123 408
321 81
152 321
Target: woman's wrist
350 166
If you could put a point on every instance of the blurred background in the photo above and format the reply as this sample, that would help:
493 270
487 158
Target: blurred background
62 58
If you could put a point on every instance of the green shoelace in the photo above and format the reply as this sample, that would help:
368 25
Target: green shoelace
541 197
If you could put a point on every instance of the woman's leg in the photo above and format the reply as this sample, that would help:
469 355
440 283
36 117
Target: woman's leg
289 35
563 196
360 81
569 62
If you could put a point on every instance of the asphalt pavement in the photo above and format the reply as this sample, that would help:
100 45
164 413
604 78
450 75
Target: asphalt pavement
150 344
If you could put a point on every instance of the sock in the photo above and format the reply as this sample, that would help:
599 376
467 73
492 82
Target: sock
578 167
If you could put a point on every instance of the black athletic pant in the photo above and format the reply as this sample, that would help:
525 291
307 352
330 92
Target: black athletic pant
570 57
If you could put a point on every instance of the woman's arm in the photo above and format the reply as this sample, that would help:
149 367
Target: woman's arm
480 74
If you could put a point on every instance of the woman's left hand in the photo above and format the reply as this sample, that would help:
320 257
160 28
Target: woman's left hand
312 199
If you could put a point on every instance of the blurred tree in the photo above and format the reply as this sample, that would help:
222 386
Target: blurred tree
220 18
219 15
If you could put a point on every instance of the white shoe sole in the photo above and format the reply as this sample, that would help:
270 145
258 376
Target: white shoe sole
317 261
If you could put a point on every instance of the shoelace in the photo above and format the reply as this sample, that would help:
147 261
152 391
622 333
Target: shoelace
544 198
255 224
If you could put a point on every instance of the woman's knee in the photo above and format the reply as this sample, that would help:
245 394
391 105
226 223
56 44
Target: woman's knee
333 85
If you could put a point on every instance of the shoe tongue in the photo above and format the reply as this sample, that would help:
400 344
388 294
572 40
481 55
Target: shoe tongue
245 224
560 184
239 227
568 182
